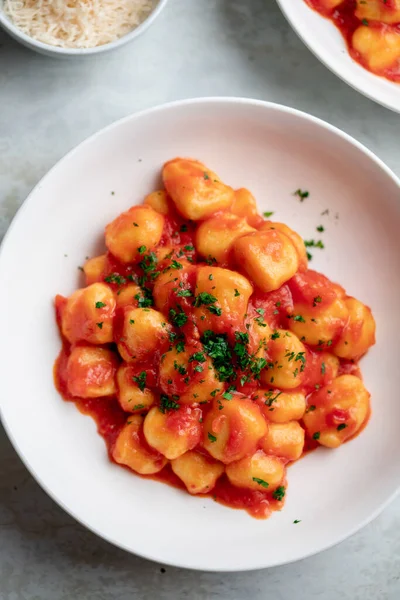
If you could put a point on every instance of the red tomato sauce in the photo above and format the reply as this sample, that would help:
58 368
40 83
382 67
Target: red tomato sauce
343 16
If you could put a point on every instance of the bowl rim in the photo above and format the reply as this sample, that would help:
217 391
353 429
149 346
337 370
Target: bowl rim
218 100
34 44
328 60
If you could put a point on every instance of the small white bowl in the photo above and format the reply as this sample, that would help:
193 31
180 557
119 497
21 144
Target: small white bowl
272 150
327 43
56 52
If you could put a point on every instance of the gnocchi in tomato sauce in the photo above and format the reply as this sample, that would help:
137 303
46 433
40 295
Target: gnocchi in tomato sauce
371 29
209 354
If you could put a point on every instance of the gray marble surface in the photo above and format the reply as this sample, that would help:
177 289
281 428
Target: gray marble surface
196 48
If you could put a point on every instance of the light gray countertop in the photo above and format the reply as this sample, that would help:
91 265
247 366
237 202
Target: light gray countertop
195 48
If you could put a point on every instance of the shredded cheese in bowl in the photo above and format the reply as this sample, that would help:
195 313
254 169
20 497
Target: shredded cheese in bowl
77 23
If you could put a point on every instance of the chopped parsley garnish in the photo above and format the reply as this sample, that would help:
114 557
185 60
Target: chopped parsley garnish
145 300
309 256
208 300
217 348
341 426
314 244
296 521
261 482
365 22
215 310
184 293
183 228
168 404
206 175
199 356
176 265
299 318
115 278
211 437
311 408
178 318
316 435
320 228
140 380
279 493
131 321
180 368
210 277
180 347
142 249
138 406
268 213
100 304
317 300
237 293
301 194
270 398
99 325
323 369
227 395
204 298
275 335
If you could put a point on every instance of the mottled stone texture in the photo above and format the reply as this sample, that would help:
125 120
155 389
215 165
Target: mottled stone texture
196 48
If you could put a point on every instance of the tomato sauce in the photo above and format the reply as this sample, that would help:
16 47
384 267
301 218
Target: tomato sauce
344 17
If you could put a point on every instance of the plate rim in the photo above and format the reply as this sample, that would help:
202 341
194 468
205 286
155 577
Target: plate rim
329 62
218 100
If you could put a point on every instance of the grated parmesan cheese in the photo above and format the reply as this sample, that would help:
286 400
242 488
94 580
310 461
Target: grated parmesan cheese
77 23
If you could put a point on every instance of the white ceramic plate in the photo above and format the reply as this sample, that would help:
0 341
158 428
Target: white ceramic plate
327 43
272 150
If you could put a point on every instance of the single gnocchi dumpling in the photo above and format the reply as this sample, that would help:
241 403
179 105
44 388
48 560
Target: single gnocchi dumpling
131 449
337 411
173 432
158 201
244 205
287 361
233 428
383 11
94 269
174 285
285 440
214 237
129 295
319 309
91 372
133 395
196 191
379 47
281 407
359 333
199 473
269 258
258 472
188 373
134 232
88 315
294 237
221 299
144 332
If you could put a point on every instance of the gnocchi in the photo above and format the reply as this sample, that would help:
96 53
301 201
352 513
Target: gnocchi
371 31
207 351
